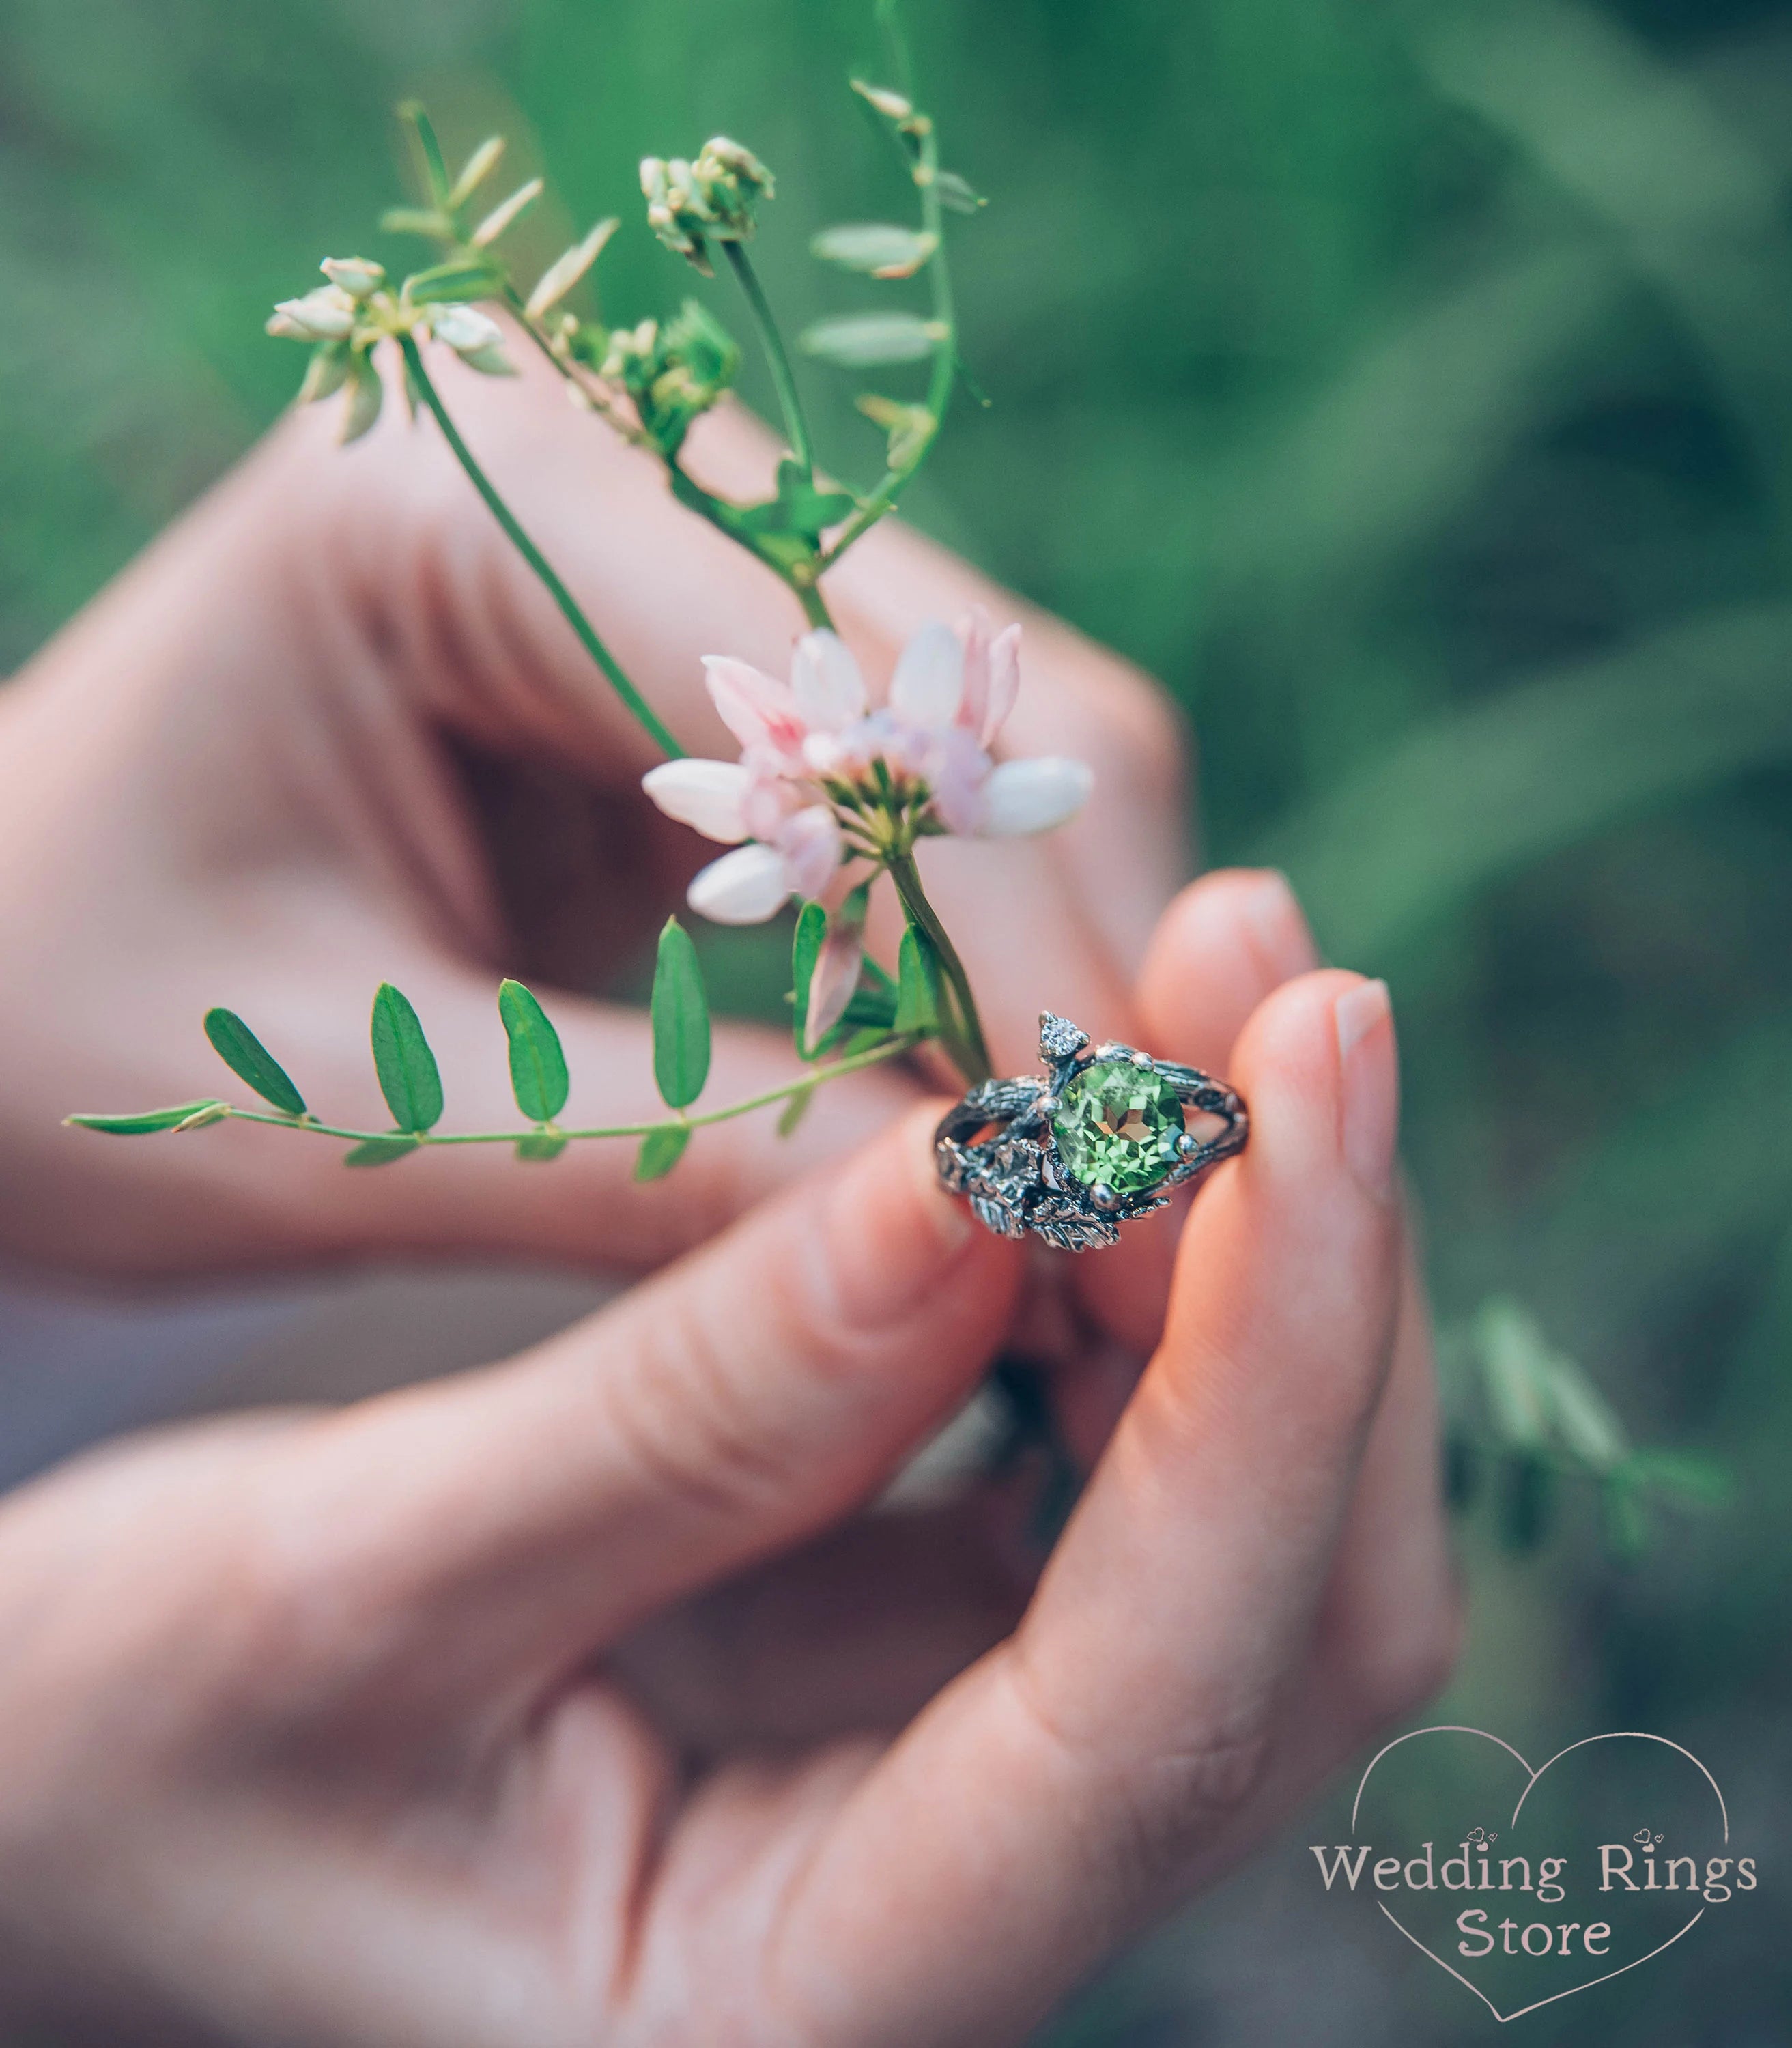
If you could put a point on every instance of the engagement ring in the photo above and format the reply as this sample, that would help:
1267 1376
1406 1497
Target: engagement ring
1101 1140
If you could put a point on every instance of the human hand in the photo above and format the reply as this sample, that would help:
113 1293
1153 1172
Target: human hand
328 731
367 1728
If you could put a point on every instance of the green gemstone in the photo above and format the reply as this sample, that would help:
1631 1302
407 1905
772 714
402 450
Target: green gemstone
1118 1123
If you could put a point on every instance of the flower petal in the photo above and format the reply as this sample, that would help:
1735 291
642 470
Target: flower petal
710 795
825 681
1004 681
809 843
1034 795
744 887
758 709
928 684
973 634
773 794
957 770
836 977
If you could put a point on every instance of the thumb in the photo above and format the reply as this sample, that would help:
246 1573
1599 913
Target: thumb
530 1513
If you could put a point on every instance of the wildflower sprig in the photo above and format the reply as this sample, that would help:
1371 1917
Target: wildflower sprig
830 795
892 1018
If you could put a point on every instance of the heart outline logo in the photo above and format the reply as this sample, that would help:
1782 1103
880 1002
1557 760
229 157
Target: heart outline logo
1611 1735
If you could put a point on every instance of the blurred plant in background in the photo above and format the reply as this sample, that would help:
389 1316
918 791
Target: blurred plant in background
1437 453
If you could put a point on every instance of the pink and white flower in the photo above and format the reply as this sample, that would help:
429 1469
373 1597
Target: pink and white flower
823 779
819 766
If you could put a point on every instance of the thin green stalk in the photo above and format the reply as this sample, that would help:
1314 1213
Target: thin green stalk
926 174
971 1052
814 604
537 560
783 381
872 1056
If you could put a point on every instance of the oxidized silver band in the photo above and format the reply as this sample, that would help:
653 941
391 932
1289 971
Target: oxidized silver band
1059 1164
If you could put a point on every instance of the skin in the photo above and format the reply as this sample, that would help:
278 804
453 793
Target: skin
576 1700
419 1770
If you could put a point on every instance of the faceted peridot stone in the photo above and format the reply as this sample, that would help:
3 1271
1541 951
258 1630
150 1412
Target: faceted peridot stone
1118 1123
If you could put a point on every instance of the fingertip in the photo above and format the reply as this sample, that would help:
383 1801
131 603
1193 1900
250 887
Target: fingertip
1291 1039
1222 945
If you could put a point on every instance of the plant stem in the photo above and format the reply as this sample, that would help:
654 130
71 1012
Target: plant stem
966 1045
537 560
783 381
814 605
926 174
872 1056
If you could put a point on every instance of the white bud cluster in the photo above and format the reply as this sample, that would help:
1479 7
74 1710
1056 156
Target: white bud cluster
690 204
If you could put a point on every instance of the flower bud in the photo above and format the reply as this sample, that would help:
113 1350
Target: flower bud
474 337
892 106
325 314
357 275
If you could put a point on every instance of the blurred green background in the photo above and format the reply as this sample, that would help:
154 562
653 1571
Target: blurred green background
1410 388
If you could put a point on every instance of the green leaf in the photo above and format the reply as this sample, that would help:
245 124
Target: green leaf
380 1151
417 220
141 1124
863 1041
871 1006
661 1151
565 271
1512 1352
251 1061
793 1111
537 1065
451 283
856 340
806 950
956 194
681 1016
542 1145
1586 1425
917 984
799 508
881 248
1627 1519
409 1077
501 215
416 118
1695 1478
475 170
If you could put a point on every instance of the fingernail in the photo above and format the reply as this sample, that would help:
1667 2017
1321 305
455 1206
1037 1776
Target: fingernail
1278 927
1370 1084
